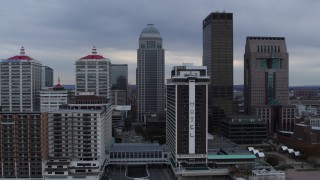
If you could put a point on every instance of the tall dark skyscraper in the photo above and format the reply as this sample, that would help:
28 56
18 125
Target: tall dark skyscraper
218 57
266 82
187 114
150 73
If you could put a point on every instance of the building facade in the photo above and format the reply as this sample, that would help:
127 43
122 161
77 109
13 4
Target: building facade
52 98
46 76
244 129
77 142
119 83
20 139
266 81
218 57
150 73
119 76
119 97
187 114
20 83
93 74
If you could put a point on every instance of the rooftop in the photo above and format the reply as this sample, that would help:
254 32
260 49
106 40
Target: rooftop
22 55
150 31
134 147
94 55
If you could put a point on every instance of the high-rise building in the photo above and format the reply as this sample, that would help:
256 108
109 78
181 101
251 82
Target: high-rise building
20 83
21 149
119 76
78 138
218 57
150 73
46 76
93 74
187 114
119 83
266 82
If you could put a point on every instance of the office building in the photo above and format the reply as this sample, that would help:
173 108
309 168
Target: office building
119 83
119 76
46 76
266 77
244 129
218 57
187 114
150 73
93 74
52 98
20 83
20 142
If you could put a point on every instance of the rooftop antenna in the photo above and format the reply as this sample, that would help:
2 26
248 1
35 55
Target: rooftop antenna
94 50
22 51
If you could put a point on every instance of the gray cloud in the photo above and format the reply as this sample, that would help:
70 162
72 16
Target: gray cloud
57 32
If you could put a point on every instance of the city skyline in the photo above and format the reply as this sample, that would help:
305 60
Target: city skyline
60 37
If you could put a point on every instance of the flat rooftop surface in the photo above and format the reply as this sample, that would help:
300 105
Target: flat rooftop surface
134 147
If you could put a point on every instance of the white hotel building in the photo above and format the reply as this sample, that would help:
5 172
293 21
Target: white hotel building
77 142
93 75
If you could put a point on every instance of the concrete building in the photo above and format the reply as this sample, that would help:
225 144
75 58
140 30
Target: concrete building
77 142
150 73
20 83
21 144
46 76
244 129
52 98
266 77
93 74
187 115
218 57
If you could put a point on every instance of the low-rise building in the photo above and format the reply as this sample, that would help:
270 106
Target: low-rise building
244 129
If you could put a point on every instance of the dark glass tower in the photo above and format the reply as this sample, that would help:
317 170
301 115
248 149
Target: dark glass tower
218 57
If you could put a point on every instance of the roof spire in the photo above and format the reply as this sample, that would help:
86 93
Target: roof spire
58 79
94 50
22 51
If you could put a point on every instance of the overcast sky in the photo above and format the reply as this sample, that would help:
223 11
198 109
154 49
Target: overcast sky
58 32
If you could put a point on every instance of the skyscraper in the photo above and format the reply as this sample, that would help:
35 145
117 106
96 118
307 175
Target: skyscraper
46 76
150 73
119 76
266 75
187 114
119 83
218 57
93 74
20 83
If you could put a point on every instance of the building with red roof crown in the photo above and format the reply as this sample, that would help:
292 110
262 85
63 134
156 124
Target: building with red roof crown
20 83
93 75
